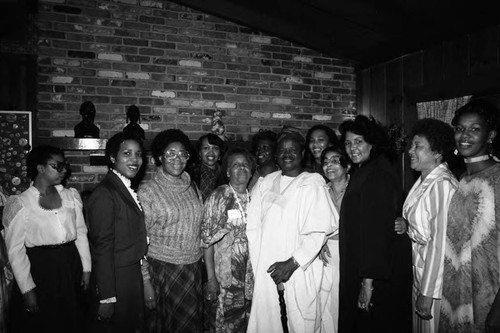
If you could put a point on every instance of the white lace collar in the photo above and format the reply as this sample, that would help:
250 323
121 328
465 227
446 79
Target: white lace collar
128 185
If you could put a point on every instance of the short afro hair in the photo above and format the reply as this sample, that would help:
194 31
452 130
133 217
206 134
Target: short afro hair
439 134
164 138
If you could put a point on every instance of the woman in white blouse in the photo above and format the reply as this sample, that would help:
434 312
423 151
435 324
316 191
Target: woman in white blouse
425 210
47 244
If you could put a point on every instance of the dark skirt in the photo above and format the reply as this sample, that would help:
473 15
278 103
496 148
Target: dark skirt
178 298
57 273
128 316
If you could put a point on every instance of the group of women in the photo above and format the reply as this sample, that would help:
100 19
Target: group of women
154 258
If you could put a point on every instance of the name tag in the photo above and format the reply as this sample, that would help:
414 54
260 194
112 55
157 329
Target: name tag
234 214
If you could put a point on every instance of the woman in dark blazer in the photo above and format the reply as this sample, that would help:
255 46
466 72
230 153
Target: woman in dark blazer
117 238
375 262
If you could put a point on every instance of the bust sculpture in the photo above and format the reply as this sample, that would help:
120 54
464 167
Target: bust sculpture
86 128
133 128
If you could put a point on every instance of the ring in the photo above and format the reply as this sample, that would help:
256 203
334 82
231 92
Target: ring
99 318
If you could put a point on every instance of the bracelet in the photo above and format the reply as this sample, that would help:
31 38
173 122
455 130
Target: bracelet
371 287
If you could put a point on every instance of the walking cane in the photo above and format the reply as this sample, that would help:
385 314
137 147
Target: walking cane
281 289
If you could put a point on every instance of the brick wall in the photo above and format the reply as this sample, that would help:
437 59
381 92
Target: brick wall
178 66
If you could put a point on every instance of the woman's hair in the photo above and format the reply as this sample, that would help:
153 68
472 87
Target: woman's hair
439 134
262 135
164 138
238 151
373 133
113 145
484 109
330 133
338 148
40 155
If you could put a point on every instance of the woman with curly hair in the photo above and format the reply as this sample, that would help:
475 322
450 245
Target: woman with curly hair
318 138
263 148
425 210
471 297
375 262
173 209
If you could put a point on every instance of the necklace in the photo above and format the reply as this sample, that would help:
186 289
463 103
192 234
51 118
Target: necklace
342 190
240 207
476 159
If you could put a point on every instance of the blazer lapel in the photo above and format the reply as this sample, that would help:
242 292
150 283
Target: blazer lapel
123 191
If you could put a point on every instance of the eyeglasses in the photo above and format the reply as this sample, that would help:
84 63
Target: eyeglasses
170 155
334 159
59 166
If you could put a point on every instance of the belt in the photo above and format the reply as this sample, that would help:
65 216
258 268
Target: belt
55 246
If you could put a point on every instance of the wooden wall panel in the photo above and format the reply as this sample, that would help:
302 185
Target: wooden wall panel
377 94
394 91
456 58
484 51
433 65
363 96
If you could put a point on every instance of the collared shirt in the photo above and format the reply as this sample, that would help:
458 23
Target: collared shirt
27 224
426 210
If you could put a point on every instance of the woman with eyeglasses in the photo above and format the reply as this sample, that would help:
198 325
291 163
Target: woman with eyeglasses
173 209
336 165
46 239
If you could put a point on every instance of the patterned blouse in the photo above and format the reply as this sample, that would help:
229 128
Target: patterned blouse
224 226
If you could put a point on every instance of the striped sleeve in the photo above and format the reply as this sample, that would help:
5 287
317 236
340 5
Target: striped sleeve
436 204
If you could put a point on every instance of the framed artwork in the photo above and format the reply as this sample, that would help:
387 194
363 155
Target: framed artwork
15 143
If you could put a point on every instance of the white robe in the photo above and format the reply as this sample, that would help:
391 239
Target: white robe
294 221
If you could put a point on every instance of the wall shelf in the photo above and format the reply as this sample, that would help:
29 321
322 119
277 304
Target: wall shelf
72 143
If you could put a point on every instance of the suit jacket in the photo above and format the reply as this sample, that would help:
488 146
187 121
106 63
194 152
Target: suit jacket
117 233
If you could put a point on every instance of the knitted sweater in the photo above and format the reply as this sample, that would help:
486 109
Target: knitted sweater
173 212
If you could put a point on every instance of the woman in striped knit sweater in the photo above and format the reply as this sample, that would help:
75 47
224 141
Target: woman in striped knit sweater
173 212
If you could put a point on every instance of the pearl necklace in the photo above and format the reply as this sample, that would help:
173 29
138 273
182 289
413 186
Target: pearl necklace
240 207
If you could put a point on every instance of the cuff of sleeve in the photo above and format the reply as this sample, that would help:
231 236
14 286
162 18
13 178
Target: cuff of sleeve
108 300
300 258
145 269
28 286
28 290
